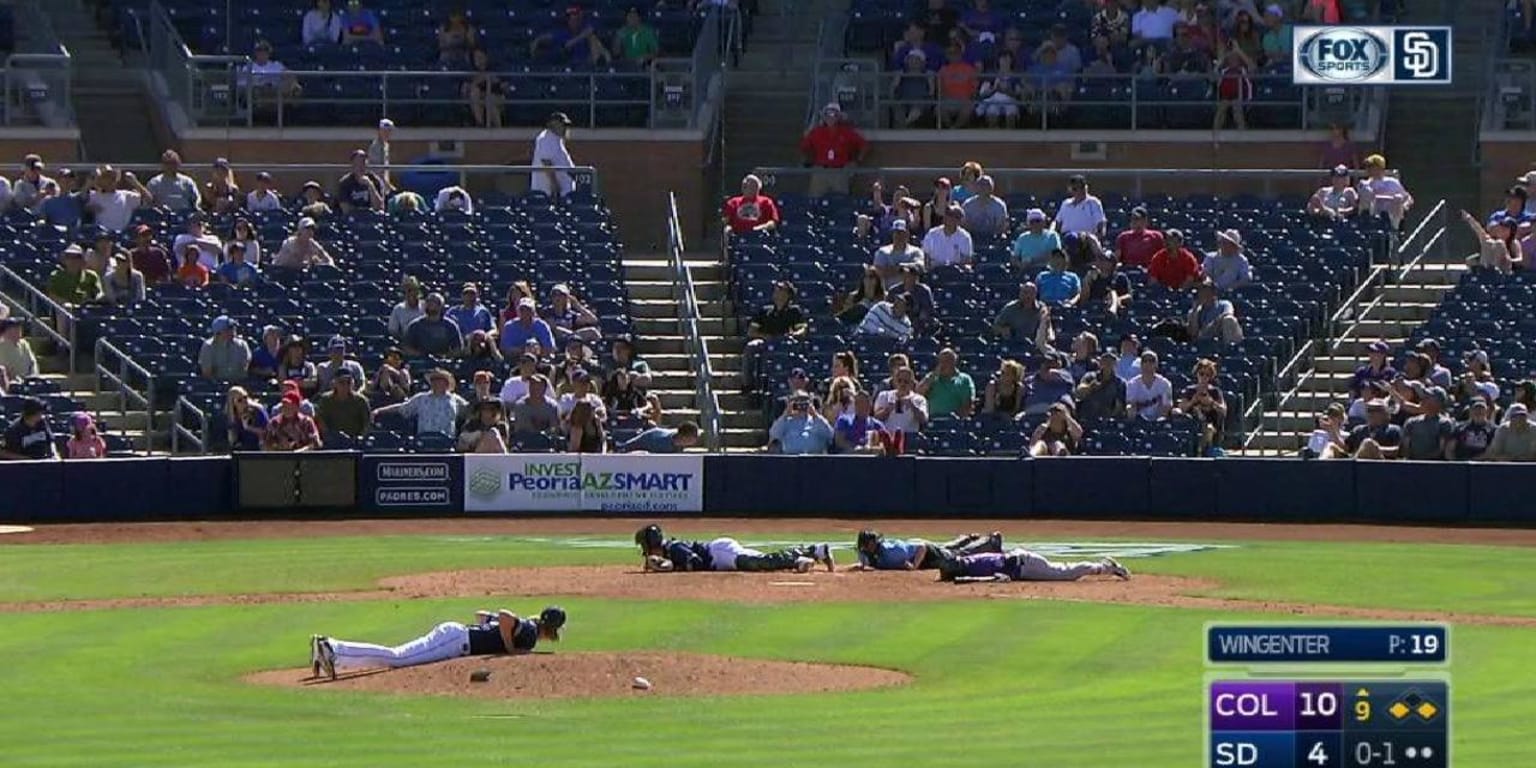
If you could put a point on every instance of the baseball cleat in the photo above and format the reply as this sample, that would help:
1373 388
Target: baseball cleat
804 564
322 657
1116 569
824 556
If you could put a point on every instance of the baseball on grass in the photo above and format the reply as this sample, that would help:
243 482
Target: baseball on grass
641 684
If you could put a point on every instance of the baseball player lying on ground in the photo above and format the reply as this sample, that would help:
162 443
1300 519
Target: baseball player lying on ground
1020 564
501 632
724 554
881 554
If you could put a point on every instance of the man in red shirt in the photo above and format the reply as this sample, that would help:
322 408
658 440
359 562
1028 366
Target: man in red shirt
1174 266
1136 246
148 257
833 146
751 211
292 430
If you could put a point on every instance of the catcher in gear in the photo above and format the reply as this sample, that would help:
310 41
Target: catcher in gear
1020 564
881 554
724 554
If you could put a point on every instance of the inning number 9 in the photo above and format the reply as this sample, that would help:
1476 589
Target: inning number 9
1362 710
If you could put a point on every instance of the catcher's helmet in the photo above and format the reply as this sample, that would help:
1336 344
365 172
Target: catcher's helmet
649 538
867 537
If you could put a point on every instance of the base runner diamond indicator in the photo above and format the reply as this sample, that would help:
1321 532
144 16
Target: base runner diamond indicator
1428 710
1399 710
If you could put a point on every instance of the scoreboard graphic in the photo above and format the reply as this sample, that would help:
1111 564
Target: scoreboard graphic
1334 696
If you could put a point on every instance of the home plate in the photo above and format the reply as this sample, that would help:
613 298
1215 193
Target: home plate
791 583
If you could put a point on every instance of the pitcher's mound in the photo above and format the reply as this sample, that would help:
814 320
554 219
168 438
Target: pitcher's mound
584 675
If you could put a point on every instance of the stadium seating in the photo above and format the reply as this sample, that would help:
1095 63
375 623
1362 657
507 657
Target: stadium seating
506 240
1490 312
1303 268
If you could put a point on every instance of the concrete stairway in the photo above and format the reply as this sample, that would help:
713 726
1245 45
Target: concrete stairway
659 334
766 98
1403 307
109 99
106 407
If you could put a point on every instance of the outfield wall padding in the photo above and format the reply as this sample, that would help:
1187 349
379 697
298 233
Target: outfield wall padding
1194 490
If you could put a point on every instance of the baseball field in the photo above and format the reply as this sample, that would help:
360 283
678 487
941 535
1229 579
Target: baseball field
186 644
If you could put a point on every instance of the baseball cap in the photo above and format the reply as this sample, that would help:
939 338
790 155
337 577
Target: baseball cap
917 53
954 210
1149 355
527 358
342 374
292 396
79 419
1034 214
386 123
356 153
307 223
1174 233
1274 10
263 176
552 617
526 303
832 108
143 229
560 117
1438 393
1139 212
337 342
221 162
1341 170
1380 348
1428 344
560 288
1230 235
580 374
1518 409
899 225
73 250
32 406
221 324
311 184
1376 405
1478 402
798 373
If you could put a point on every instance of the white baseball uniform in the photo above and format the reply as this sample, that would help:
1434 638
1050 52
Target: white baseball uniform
724 551
448 640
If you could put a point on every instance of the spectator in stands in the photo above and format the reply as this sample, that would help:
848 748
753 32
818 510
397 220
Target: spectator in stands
322 25
268 355
360 188
1476 379
1377 368
568 318
516 333
1153 24
1100 394
433 334
1004 394
937 18
1050 384
123 285
1060 435
851 307
800 430
1136 246
622 357
1328 440
984 213
1085 355
269 82
302 249
171 189
1204 402
575 42
235 270
584 429
1409 388
856 430
263 197
1149 396
487 92
1381 194
1427 436
888 319
294 366
949 244
360 25
245 236
486 431
480 352
72 284
1228 268
1081 211
456 37
518 384
29 438
210 249
222 192
61 207
453 198
949 390
409 307
1113 24
27 192
342 412
1378 438
336 362
1497 247
902 408
920 303
914 90
1213 318
1514 440
292 430
535 412
1055 285
781 318
245 420
1105 284
1047 84
915 40
839 398
832 146
636 41
1275 44
1128 364
958 80
750 211
1437 374
224 356
111 207
1025 319
879 217
620 395
1234 89
890 258
1103 58
1338 149
149 258
436 410
1175 267
1338 200
102 254
1470 439
549 150
16 357
470 315
393 379
1001 92
1033 247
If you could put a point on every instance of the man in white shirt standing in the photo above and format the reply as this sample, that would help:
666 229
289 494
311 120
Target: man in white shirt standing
378 153
1154 22
1150 395
890 258
950 243
902 409
549 151
114 207
1081 212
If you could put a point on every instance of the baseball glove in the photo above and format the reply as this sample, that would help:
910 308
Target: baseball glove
658 563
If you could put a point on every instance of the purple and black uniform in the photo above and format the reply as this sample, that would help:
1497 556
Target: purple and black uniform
486 640
1023 565
687 555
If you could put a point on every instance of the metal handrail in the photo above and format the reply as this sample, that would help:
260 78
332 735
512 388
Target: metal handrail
27 65
37 300
198 438
682 283
126 394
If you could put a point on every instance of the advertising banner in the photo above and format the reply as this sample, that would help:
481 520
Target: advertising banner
534 482
632 482
398 483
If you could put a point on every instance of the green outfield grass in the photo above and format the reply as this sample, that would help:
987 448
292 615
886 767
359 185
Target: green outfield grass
1003 682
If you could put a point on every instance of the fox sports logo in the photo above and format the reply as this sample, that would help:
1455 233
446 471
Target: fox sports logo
1344 55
